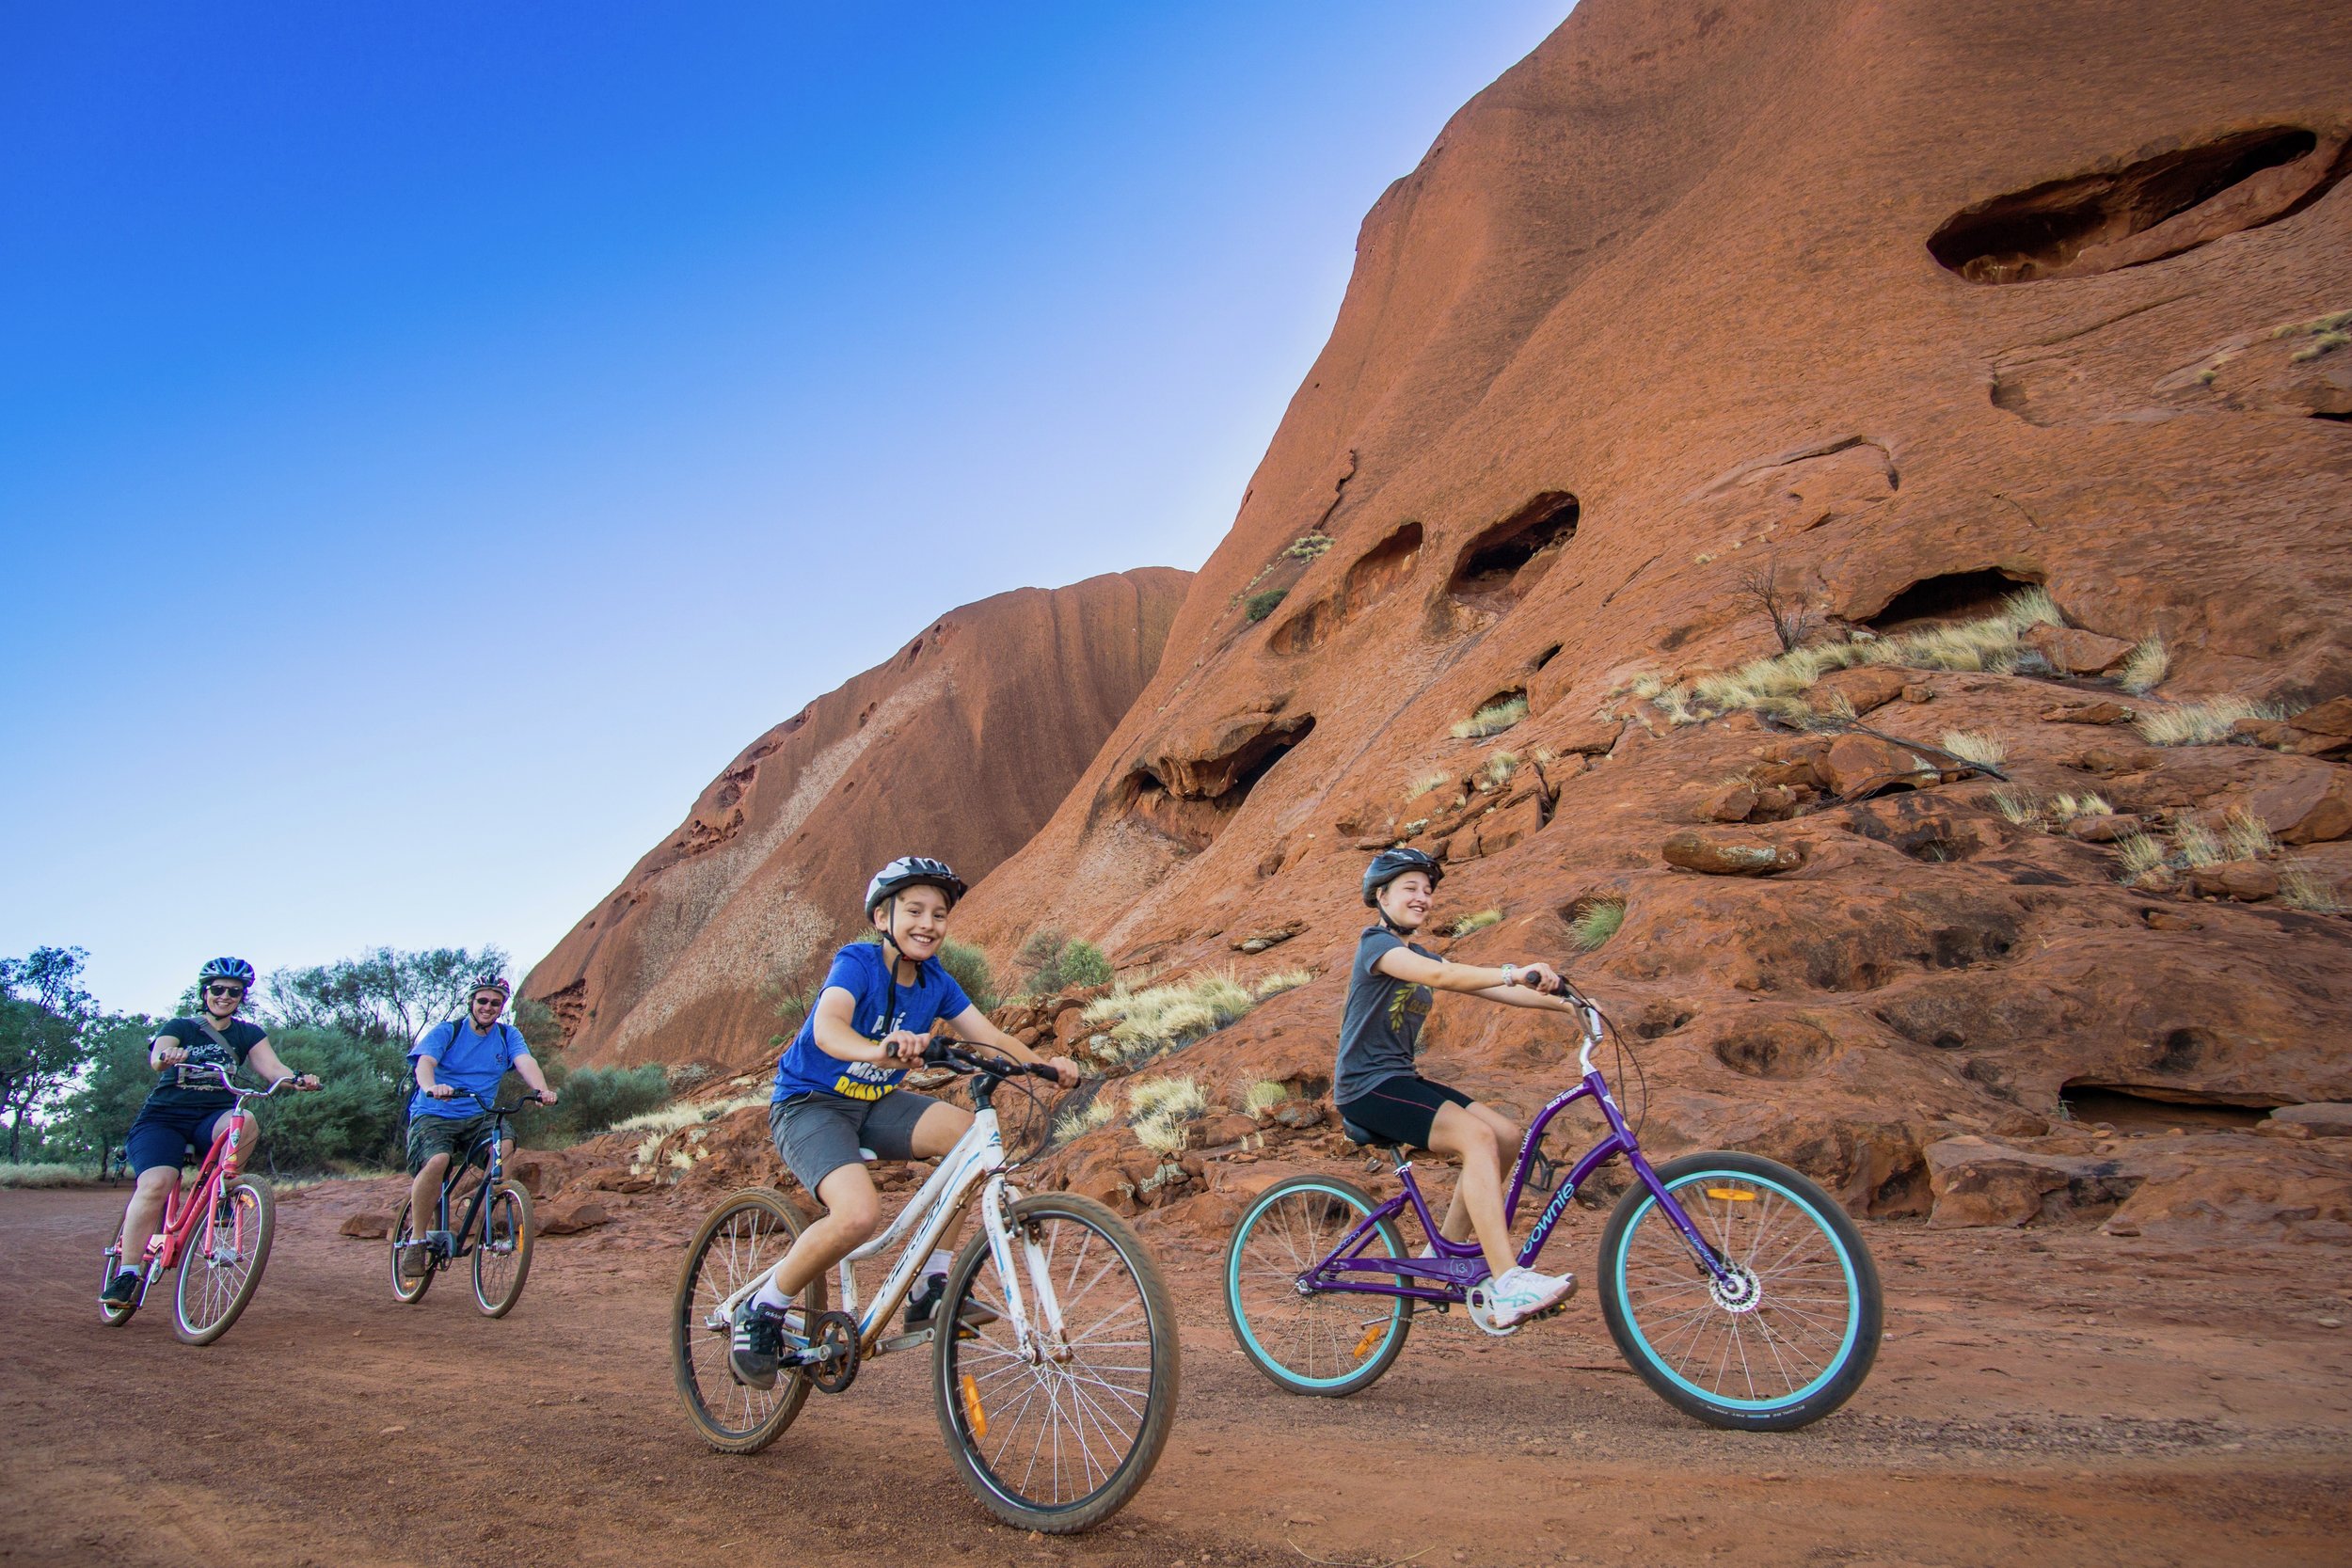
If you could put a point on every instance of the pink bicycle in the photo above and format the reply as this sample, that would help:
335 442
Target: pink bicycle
216 1230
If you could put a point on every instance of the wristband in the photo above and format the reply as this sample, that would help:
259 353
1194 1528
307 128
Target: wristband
1510 974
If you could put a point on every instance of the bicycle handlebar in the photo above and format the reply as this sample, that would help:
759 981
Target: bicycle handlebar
217 1071
953 1054
530 1099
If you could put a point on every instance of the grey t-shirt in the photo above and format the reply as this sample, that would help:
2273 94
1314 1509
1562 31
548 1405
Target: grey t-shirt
1380 1031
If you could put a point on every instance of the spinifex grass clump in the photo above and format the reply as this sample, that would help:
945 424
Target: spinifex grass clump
1975 748
1596 923
2206 723
1493 718
1776 684
1160 1107
1141 1025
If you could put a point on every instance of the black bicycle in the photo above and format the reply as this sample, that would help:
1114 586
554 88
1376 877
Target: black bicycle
496 1231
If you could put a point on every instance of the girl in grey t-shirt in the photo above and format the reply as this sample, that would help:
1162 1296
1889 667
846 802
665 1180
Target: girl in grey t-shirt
1390 991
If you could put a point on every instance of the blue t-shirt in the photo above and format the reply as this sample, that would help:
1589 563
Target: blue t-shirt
879 1007
468 1062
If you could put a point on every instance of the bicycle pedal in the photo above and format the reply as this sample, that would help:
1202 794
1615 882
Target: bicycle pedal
914 1340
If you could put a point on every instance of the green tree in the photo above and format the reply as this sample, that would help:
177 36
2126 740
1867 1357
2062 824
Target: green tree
44 1022
387 994
97 1112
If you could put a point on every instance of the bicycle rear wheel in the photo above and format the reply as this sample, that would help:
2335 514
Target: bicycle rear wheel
744 1236
502 1254
1059 1444
1792 1333
1324 1343
223 1263
403 1289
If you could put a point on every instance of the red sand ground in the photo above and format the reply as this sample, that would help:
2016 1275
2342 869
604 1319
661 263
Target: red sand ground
2050 1395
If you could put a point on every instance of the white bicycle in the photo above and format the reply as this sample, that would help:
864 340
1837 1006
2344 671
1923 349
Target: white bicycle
1055 1408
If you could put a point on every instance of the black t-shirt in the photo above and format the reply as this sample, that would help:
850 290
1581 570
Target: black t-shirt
168 1094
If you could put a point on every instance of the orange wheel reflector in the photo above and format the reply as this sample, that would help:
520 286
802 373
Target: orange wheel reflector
1364 1346
972 1413
1730 1196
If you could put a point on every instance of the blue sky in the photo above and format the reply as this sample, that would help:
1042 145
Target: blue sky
434 438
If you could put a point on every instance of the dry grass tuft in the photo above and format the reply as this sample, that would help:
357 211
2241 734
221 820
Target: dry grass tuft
45 1174
1426 783
2018 811
2198 846
1499 768
1274 982
1596 923
1263 1096
2206 723
1478 922
2066 808
2141 852
1493 718
2145 667
1143 1023
2298 889
2248 836
1098 1112
1975 748
669 1119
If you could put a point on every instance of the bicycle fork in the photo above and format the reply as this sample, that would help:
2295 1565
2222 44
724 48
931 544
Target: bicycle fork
1043 1338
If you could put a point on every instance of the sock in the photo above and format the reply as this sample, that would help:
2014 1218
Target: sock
941 1262
769 1296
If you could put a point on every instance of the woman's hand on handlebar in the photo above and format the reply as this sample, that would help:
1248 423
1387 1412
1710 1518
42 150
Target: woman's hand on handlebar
302 1082
169 1056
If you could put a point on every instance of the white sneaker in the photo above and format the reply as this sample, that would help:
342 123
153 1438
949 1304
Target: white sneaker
1518 1295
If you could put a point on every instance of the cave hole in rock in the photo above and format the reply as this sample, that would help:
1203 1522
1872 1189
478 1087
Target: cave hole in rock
1371 578
1951 596
1768 1051
1499 562
2140 1110
1207 791
1545 657
2076 227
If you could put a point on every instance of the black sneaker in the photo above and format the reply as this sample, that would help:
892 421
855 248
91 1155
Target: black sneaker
757 1344
925 1301
122 1290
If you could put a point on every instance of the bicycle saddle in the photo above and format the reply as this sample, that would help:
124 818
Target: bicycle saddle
1365 1138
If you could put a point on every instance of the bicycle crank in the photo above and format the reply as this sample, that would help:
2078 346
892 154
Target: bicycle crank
831 1358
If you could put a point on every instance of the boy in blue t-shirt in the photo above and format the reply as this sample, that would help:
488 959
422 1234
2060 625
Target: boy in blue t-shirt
463 1058
837 1090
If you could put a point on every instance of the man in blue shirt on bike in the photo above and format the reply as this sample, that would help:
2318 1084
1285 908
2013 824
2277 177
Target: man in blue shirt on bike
458 1063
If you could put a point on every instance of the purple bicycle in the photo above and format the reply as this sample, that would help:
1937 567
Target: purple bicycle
1737 1289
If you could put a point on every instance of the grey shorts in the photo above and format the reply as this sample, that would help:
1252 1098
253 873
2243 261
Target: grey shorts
817 1134
454 1136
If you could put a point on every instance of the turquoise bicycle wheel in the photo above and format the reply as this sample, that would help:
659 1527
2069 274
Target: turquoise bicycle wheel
1329 1343
1786 1337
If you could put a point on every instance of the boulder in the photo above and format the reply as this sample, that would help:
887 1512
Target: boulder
367 1227
1595 738
1865 686
1977 1182
2088 713
2105 829
1259 942
2077 651
2331 718
2329 1119
2247 881
1858 765
2312 805
1720 855
1222 1132
1731 804
568 1219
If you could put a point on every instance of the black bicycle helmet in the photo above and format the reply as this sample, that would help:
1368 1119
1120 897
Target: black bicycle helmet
225 969
1389 864
913 871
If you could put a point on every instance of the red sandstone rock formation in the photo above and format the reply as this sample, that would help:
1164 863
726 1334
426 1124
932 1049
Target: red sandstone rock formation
1911 305
977 726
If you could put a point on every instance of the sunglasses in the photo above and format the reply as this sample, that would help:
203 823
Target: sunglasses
490 999
224 991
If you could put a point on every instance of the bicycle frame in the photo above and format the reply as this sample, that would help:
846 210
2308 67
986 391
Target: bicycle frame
976 1163
493 1171
189 1200
1459 1265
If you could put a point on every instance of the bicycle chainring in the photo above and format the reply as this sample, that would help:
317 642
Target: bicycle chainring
831 1360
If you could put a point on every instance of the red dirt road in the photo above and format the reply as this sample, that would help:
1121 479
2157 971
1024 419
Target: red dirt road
2059 1397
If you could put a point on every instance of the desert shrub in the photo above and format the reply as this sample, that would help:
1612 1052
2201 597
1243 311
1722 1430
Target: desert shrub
1596 923
967 963
1308 547
1493 718
1058 963
1975 748
1259 606
2206 723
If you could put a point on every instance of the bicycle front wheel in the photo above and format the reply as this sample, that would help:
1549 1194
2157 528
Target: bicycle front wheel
745 1236
403 1232
502 1254
223 1263
1785 1340
1324 1343
1057 1439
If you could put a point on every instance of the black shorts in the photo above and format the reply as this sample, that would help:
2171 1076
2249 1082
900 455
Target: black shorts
162 1135
1400 1110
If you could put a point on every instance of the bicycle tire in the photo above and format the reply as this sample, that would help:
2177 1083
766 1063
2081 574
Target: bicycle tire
1336 1343
759 1225
496 1302
407 1291
250 1208
1817 1319
961 1365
